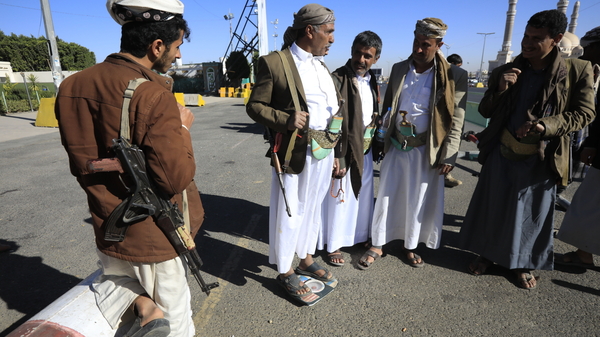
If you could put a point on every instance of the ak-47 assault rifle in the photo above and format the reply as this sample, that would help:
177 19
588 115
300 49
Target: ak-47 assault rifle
147 200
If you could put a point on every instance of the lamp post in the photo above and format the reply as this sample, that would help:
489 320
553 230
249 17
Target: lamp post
275 35
229 17
482 52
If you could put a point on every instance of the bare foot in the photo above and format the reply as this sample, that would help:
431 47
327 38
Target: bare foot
146 309
414 260
525 279
336 258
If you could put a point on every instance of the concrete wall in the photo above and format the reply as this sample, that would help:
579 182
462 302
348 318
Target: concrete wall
16 77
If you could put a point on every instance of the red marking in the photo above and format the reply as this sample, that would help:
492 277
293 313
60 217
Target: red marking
40 328
309 298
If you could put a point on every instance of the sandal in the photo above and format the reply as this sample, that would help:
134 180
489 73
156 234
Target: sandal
574 260
524 277
337 255
412 261
481 264
363 263
312 272
291 284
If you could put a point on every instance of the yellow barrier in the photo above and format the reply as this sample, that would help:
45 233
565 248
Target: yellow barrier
45 116
179 98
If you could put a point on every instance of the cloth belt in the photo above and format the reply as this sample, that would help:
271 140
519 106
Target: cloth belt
408 141
516 150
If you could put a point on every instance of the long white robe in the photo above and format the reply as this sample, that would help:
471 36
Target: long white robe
410 200
305 191
348 223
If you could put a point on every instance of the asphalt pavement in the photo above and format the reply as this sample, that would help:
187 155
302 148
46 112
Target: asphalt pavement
43 215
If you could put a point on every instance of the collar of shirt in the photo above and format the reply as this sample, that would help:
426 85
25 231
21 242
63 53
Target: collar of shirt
303 55
366 78
426 72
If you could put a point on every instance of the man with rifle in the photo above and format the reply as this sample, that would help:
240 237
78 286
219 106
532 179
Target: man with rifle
142 274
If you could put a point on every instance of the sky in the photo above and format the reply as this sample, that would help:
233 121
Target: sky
88 23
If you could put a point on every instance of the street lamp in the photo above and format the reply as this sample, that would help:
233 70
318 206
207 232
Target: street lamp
447 48
482 52
229 17
275 23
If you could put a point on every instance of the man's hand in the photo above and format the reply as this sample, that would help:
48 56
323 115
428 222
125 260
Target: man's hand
588 154
297 120
508 78
338 172
530 126
187 117
445 169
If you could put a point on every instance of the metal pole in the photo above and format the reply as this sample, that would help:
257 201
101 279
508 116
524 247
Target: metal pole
482 53
57 74
27 90
4 99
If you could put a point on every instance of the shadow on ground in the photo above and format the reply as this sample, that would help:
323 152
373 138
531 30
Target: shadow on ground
28 285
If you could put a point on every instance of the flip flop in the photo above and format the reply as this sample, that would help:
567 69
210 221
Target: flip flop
575 260
363 263
412 261
291 284
312 272
482 265
337 255
524 280
155 328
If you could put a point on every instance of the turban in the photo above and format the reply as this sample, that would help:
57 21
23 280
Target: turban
590 37
124 11
431 27
311 14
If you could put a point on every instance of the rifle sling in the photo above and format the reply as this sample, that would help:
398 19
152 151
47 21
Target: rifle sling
294 92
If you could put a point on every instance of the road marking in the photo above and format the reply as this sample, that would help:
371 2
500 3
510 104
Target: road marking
242 141
204 315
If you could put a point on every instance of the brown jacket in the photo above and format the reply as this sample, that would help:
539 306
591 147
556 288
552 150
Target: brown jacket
88 108
270 104
572 108
345 80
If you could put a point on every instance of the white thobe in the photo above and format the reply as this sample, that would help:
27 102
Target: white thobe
347 219
305 191
410 200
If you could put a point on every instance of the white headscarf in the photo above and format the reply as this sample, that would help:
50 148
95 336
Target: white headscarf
142 6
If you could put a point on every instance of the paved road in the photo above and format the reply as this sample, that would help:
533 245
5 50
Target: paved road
43 213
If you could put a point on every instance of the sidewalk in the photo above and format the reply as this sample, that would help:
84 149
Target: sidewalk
20 125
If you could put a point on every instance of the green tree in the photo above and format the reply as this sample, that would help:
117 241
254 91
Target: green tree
31 54
8 86
237 67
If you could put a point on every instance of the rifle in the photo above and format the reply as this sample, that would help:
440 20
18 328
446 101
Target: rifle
274 148
146 200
